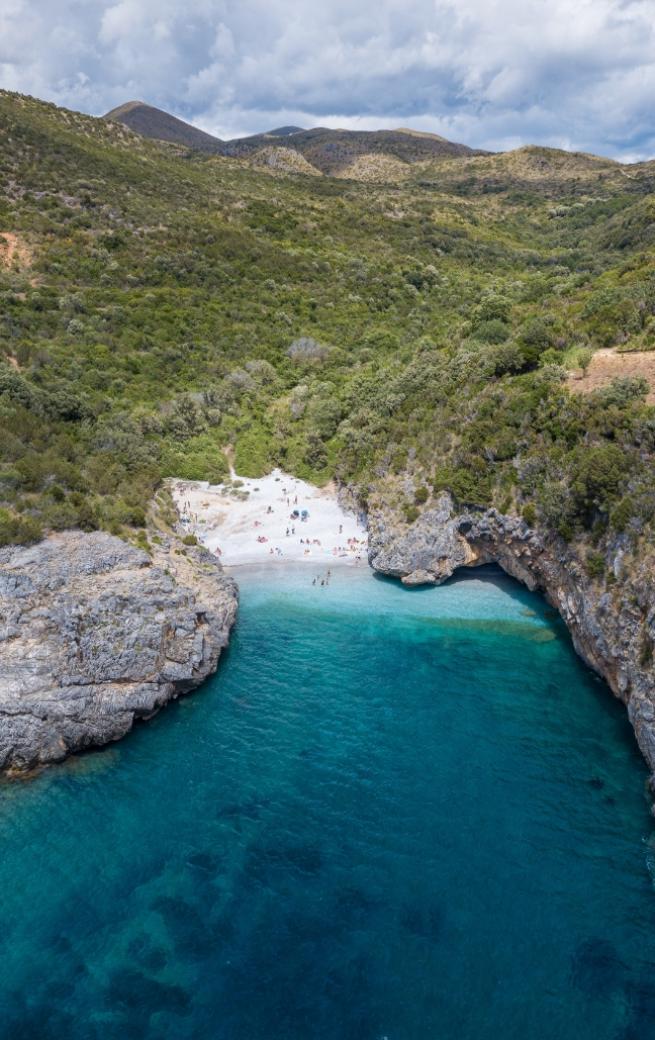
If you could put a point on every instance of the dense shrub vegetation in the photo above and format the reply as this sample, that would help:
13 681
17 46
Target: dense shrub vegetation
156 307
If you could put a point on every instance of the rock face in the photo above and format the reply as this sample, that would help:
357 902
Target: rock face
428 551
94 635
612 625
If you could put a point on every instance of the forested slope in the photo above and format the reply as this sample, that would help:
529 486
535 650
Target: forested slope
155 308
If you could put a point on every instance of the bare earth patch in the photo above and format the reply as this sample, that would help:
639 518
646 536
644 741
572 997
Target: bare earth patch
607 365
13 250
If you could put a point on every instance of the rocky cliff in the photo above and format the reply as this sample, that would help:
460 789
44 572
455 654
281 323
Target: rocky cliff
95 634
611 620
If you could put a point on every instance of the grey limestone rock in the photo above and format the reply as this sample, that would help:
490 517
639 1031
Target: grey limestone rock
431 545
94 635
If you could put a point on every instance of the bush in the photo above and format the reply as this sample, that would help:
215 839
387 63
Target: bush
529 514
596 475
492 308
469 485
198 458
583 358
536 337
506 358
18 530
252 455
623 513
595 564
307 349
494 331
622 391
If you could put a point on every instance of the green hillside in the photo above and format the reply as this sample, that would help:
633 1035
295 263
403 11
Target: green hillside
157 307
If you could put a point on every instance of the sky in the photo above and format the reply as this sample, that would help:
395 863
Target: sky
496 74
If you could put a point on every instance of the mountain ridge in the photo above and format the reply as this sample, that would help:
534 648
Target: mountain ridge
328 150
386 155
156 124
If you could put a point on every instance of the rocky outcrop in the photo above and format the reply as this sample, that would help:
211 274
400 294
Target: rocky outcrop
427 551
612 623
95 634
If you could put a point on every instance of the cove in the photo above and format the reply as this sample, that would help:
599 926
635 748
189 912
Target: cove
401 814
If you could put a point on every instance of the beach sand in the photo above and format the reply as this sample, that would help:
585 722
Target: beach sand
247 521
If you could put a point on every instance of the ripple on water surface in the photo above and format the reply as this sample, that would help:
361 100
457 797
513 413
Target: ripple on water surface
393 813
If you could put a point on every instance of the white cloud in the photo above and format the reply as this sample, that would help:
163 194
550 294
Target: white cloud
490 72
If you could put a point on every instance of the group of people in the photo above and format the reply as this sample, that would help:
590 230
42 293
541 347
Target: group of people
353 547
186 514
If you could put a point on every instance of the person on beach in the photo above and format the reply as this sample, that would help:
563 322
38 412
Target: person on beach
287 532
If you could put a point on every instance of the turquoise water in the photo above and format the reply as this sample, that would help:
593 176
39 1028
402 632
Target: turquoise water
395 814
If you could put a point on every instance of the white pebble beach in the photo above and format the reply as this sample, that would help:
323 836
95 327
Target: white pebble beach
245 521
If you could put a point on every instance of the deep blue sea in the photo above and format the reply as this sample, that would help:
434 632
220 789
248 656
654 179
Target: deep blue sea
392 815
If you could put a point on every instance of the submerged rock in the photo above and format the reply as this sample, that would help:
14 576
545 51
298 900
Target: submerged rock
613 627
95 634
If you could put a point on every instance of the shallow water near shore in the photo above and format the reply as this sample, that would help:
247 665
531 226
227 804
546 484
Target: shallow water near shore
398 814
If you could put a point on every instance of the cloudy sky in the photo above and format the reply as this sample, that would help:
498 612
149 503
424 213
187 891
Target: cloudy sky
491 73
